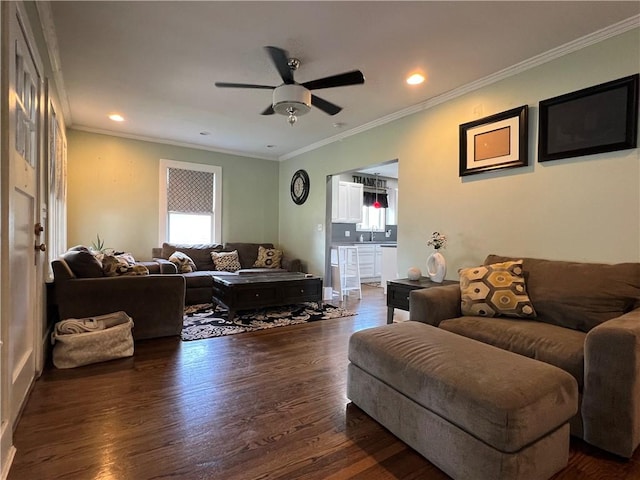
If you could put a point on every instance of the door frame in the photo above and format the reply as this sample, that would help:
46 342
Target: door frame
13 19
328 211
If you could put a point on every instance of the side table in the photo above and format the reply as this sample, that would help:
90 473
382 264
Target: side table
398 292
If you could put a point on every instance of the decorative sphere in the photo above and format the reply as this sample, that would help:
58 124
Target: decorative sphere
414 273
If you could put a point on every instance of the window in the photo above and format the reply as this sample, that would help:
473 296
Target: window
373 219
190 199
56 208
26 108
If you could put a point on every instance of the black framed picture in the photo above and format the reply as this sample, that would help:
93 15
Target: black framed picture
598 119
495 142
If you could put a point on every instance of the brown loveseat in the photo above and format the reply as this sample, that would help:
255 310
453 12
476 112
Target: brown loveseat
199 283
587 323
155 302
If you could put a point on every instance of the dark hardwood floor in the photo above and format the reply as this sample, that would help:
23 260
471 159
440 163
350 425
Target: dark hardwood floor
263 405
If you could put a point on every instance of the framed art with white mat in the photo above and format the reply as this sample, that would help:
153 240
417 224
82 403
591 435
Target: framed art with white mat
495 142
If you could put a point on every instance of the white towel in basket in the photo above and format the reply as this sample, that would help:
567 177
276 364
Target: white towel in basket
92 324
81 341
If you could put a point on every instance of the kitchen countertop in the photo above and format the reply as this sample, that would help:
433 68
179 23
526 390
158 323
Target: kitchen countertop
375 242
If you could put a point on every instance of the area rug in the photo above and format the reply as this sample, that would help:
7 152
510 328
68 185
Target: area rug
208 320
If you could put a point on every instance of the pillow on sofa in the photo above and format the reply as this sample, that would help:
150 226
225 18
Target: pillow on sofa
115 265
226 261
496 289
579 295
126 256
183 262
200 253
83 263
268 258
247 252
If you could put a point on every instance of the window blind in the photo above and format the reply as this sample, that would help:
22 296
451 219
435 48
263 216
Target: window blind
189 191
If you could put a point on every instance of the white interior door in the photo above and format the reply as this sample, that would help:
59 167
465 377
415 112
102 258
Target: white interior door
24 327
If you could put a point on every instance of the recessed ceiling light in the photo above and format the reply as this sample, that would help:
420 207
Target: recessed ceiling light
116 118
415 79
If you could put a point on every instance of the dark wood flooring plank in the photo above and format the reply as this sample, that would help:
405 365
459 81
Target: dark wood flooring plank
265 405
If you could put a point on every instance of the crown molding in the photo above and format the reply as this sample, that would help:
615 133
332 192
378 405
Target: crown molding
163 141
553 54
51 40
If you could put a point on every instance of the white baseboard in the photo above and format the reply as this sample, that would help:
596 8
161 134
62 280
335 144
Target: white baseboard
8 451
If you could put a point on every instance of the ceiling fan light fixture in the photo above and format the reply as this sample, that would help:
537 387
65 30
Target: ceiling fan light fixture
291 119
291 96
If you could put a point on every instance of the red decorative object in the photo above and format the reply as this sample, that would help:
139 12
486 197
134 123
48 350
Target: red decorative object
376 204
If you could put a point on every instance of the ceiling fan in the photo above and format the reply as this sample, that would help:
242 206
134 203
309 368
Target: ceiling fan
292 98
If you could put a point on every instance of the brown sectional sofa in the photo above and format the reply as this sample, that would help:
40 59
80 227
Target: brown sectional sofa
587 324
155 302
199 284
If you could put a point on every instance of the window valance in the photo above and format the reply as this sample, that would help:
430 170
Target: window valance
369 198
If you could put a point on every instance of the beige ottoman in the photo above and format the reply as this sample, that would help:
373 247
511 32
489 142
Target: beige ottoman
475 411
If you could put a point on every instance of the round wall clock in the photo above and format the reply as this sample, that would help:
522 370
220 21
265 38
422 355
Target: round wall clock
300 187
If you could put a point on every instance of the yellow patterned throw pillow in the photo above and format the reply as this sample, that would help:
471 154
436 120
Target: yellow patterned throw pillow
268 258
493 290
226 261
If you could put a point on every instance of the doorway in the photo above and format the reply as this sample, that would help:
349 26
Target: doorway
350 209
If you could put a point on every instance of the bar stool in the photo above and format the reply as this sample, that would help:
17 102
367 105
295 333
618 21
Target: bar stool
349 269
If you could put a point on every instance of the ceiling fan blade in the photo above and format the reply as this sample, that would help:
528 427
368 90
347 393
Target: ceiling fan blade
268 111
242 85
324 105
281 61
341 80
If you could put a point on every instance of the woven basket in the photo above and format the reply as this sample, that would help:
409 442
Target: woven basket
110 338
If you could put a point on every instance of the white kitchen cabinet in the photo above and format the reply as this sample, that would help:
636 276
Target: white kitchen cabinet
389 265
377 261
346 201
370 262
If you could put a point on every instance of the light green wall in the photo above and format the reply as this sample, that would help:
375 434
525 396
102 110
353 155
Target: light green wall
113 191
584 209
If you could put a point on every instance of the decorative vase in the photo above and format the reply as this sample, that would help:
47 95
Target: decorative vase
436 267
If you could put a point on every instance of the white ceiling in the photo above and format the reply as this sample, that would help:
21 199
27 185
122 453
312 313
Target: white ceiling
156 62
385 170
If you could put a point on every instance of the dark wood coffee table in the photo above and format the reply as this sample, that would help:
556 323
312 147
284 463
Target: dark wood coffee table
245 292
